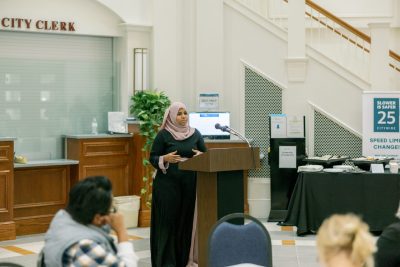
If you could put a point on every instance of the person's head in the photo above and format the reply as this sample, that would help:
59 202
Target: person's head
176 115
176 121
345 235
90 200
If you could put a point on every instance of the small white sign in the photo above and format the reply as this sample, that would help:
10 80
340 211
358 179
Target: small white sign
377 168
287 157
278 126
209 101
295 126
117 122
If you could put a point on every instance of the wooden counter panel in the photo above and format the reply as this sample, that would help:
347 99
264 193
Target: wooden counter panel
111 157
33 225
39 187
5 201
43 209
137 175
7 231
117 173
6 153
39 193
7 225
110 148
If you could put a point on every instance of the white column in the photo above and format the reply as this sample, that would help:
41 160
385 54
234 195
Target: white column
209 47
167 47
296 61
379 65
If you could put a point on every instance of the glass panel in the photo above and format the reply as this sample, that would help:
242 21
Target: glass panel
51 85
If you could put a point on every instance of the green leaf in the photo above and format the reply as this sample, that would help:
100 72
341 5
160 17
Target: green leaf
148 106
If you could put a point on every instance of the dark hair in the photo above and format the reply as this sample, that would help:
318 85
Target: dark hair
89 197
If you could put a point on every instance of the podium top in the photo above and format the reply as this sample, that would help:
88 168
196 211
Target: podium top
224 159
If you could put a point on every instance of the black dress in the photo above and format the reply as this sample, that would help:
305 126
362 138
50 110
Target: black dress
388 254
174 195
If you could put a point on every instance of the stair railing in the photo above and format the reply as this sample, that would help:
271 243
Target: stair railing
351 50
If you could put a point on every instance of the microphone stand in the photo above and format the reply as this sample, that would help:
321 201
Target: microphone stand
232 131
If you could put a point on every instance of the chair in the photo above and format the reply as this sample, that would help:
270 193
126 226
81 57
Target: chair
10 264
231 244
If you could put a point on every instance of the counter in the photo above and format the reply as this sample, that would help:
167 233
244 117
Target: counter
96 136
45 163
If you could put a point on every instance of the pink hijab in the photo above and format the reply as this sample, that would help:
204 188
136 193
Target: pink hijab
169 122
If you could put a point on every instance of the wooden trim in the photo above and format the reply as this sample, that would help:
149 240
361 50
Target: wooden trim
5 153
396 57
338 32
393 55
144 218
338 21
348 27
33 225
7 231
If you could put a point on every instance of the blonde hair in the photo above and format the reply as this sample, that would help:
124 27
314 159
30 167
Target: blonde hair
346 233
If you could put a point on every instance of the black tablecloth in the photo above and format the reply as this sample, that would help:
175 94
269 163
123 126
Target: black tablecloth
317 195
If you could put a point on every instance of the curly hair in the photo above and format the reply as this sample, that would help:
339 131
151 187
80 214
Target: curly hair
349 234
89 197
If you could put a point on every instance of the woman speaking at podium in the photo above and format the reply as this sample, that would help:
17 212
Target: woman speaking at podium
174 190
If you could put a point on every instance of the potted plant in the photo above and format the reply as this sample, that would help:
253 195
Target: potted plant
148 107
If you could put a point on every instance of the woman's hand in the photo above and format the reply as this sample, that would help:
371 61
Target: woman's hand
196 152
172 157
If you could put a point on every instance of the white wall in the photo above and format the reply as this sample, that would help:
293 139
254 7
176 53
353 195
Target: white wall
168 47
89 17
358 8
137 12
247 41
125 20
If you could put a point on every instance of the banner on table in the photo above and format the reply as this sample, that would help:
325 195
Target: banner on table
381 124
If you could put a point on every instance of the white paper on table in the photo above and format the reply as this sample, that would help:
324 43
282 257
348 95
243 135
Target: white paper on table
377 168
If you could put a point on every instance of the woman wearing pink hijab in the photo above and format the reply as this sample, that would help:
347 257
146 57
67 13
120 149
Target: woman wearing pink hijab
174 190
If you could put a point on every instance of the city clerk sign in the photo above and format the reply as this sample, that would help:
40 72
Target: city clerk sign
381 124
8 23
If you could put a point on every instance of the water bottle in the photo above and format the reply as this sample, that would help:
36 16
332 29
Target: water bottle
94 126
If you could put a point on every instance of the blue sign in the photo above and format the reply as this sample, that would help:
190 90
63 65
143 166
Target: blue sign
386 114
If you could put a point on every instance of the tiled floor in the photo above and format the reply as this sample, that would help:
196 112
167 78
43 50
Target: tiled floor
288 249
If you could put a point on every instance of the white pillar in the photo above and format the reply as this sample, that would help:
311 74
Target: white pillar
379 65
209 47
167 47
296 61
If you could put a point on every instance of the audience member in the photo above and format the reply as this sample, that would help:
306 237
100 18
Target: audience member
388 254
345 241
79 235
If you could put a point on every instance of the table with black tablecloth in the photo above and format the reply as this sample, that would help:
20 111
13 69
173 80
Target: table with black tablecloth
317 195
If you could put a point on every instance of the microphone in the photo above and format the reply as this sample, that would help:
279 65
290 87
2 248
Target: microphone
231 131
222 128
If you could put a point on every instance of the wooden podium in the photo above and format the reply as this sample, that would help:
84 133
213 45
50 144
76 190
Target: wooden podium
219 187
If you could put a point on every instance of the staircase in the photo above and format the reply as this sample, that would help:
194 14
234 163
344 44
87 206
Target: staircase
330 35
258 41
